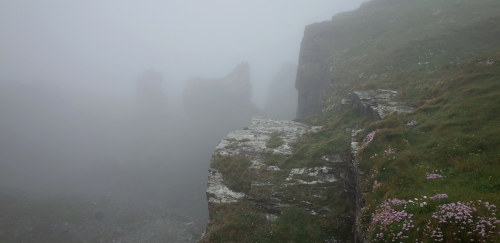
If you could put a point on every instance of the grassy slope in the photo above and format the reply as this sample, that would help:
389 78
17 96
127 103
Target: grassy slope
443 58
387 37
458 133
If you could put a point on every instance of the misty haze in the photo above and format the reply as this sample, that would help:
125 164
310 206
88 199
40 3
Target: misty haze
110 110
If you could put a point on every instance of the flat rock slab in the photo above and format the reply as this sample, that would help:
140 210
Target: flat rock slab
253 139
378 103
251 142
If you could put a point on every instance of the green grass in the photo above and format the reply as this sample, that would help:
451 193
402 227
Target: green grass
458 133
296 225
333 138
244 222
274 140
234 169
233 222
447 66
371 47
274 159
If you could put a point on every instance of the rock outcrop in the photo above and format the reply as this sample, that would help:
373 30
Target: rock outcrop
223 102
313 78
273 183
251 143
376 104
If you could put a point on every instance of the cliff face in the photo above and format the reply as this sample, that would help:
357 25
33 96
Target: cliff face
313 79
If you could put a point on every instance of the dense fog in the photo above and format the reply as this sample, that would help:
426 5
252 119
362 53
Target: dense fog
126 100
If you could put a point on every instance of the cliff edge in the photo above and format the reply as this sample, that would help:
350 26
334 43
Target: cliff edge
257 186
404 95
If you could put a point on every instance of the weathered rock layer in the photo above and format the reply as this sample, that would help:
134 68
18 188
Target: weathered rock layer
273 185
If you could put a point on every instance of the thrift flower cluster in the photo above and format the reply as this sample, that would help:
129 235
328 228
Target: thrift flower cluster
470 221
435 174
368 139
452 222
412 123
389 151
438 196
391 223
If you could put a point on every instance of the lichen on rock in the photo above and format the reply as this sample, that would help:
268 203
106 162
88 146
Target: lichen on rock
377 104
217 192
250 180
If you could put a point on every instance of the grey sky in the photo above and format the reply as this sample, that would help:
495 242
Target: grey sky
102 45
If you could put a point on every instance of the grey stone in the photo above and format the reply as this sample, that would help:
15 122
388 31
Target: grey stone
217 192
376 104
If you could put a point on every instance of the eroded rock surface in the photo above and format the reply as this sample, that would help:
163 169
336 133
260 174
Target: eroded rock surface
377 104
217 192
251 142
273 183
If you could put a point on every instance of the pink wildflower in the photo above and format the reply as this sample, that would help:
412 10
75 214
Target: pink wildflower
389 151
438 196
391 223
412 123
465 221
368 139
435 174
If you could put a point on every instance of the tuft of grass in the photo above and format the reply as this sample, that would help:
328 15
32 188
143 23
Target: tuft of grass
234 222
297 225
333 138
274 140
234 171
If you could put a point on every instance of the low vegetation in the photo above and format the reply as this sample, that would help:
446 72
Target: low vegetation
440 160
234 171
274 140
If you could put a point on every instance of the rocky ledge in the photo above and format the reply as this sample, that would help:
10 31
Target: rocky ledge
253 143
377 104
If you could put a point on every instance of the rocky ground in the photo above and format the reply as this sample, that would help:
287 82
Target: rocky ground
29 219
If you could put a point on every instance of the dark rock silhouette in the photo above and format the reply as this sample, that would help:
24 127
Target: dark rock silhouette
282 95
313 78
220 103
